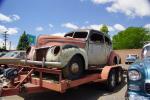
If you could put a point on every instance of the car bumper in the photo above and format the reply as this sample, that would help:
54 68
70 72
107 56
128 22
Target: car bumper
137 96
42 63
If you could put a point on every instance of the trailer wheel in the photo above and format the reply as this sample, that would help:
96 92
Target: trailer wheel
119 76
74 68
111 81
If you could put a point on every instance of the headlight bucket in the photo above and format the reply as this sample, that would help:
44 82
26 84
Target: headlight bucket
134 75
55 50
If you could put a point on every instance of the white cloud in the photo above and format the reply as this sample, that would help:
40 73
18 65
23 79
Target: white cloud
147 26
15 17
70 26
8 30
50 25
130 8
58 34
97 27
39 29
119 27
101 1
5 18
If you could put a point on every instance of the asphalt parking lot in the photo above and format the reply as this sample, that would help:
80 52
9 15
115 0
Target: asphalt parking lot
96 91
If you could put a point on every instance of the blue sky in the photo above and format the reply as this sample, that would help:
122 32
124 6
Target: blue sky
60 16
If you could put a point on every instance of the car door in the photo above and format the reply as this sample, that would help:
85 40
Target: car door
96 49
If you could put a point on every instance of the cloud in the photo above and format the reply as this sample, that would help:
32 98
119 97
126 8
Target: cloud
50 25
70 26
101 1
58 34
10 31
4 18
39 29
119 27
147 26
15 17
131 8
97 27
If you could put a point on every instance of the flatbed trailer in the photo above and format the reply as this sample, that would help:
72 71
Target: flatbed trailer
26 82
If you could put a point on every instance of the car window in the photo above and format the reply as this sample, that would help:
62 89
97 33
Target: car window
97 38
22 55
69 34
107 41
80 35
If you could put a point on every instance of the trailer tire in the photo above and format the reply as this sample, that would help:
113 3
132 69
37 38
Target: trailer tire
111 81
74 68
119 76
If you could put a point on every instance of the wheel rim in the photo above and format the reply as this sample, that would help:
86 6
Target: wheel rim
113 80
74 68
119 77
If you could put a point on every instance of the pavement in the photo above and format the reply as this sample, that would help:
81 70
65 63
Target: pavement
96 91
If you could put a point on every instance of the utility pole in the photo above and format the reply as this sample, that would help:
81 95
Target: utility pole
5 35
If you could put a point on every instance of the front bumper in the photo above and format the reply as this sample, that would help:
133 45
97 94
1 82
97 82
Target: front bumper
137 96
42 63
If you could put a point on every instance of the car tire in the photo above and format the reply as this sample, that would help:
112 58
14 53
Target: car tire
111 81
74 68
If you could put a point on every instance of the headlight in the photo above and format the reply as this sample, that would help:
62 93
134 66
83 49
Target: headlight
134 75
55 50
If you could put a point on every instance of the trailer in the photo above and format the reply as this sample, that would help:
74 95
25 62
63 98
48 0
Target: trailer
18 79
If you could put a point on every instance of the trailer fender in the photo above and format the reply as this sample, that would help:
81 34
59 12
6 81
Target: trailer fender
114 58
106 70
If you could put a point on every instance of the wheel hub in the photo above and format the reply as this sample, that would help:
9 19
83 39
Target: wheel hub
74 68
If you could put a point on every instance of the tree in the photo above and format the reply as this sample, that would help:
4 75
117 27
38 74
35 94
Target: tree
23 43
104 29
131 38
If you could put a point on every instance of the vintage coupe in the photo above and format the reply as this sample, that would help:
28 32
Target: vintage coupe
74 53
139 77
131 58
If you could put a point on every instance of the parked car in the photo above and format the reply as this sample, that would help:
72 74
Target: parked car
73 53
12 57
131 58
2 53
139 77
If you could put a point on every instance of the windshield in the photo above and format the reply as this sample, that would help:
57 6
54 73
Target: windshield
11 54
77 34
146 52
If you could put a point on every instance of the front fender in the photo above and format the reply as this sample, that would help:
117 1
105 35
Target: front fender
67 54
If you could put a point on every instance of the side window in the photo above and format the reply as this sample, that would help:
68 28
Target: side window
98 38
107 40
22 55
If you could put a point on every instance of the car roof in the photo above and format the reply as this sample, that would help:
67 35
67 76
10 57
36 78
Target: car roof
146 45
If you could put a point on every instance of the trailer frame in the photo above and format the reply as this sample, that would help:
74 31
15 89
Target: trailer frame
27 83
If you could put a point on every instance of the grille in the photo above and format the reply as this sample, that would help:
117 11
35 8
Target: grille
41 53
147 87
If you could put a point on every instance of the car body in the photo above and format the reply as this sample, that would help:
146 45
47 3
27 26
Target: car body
12 57
85 47
139 77
131 58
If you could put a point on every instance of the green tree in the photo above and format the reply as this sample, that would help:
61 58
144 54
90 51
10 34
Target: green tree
131 38
104 29
23 43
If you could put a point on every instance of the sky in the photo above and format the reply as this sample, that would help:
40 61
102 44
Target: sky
60 16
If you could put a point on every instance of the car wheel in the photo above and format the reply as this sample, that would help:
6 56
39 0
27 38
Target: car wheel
111 81
119 76
74 68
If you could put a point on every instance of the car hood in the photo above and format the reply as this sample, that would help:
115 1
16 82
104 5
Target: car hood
46 40
143 66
